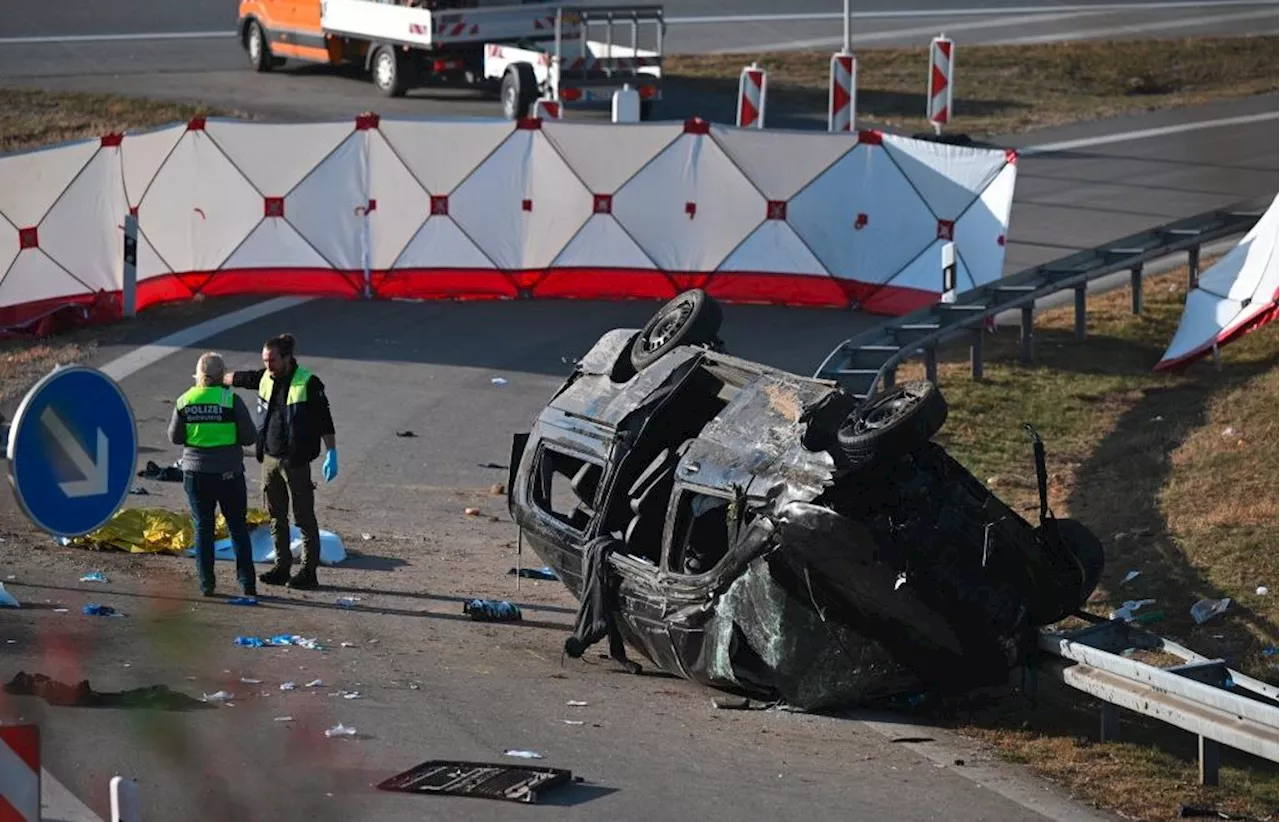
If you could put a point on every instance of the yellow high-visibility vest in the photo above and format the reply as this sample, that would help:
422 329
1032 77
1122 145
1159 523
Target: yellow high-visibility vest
210 416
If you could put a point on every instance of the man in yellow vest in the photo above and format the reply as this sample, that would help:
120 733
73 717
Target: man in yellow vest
295 419
213 425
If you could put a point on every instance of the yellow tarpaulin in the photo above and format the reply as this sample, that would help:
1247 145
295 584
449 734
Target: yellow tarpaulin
154 531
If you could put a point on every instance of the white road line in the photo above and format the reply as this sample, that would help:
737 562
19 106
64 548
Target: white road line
152 353
898 14
57 804
1117 31
1142 134
895 34
114 38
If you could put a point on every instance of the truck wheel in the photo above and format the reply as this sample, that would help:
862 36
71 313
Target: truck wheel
897 422
388 72
691 318
519 91
255 42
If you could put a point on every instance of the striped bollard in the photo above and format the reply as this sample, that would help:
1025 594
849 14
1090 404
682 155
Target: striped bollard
752 88
545 108
942 63
842 103
20 773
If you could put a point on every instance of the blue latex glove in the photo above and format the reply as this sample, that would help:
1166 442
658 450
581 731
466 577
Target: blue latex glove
330 465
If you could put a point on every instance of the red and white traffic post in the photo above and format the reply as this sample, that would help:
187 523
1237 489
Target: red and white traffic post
547 108
20 773
753 85
842 101
942 63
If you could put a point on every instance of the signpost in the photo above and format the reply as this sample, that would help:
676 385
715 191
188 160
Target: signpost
73 447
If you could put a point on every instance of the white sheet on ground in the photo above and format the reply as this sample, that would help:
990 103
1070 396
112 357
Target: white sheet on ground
332 551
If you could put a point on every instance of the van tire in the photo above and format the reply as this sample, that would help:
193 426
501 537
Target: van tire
519 91
388 69
255 43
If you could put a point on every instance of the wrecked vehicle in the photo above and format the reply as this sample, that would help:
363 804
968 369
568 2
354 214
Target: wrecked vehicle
761 533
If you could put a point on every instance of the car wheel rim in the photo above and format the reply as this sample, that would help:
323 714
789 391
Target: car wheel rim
884 413
385 71
667 326
509 102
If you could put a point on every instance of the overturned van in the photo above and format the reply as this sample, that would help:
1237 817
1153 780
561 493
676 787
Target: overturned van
764 533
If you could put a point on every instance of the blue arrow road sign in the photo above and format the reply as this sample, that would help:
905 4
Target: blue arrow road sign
73 446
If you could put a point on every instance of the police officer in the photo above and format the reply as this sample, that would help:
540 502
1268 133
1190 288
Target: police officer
295 419
213 425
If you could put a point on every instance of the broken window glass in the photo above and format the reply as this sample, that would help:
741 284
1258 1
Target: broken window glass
565 487
701 535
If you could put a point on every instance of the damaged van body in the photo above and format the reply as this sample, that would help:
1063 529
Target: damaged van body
760 532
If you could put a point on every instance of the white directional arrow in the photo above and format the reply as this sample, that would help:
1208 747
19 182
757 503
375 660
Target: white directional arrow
96 481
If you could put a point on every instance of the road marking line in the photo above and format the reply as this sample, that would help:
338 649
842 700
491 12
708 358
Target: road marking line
58 804
894 34
152 353
899 14
1115 32
1142 134
114 38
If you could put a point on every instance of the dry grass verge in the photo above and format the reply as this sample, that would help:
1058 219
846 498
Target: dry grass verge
1004 89
1177 475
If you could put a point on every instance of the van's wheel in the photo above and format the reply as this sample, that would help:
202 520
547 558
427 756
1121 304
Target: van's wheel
255 42
691 318
388 71
519 90
896 422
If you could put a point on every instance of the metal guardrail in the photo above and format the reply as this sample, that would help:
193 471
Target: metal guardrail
1202 695
862 363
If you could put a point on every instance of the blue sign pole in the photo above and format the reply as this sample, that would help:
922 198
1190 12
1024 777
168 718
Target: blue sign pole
73 447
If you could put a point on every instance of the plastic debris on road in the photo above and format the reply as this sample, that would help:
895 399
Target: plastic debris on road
340 730
348 602
575 703
96 576
243 601
1130 577
315 683
288 686
533 573
283 719
279 640
491 610
1262 591
524 754
1207 609
220 696
498 381
248 681
7 599
93 609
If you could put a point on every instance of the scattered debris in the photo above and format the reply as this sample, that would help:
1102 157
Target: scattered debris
243 601
1130 577
573 722
348 645
912 739
315 683
366 537
1262 591
574 703
1207 609
1269 651
95 576
491 610
220 696
1230 432
340 730
7 599
405 434
472 512
283 719
93 609
498 381
477 779
497 489
1129 608
279 639
1195 811
248 681
348 602
350 694
523 754
140 492
533 573
288 686
81 695
171 473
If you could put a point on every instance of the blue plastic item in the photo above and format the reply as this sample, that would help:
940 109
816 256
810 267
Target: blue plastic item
491 610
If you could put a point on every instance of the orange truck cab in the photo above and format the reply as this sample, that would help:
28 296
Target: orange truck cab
522 49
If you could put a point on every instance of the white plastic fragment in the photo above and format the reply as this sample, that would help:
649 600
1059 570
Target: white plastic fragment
315 683
287 686
220 696
283 719
573 722
1129 608
498 381
248 681
1207 609
1262 591
1130 577
340 730
573 703
524 754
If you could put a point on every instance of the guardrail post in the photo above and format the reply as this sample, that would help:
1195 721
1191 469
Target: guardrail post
1135 283
1028 331
975 353
1109 727
1210 759
1193 266
1081 311
931 364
